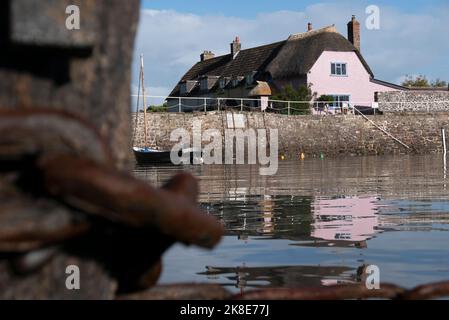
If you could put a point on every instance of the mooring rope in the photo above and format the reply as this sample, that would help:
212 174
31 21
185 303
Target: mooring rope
383 130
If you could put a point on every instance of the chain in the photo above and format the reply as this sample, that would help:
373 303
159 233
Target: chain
58 184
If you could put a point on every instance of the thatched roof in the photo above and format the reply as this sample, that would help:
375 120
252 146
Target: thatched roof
211 67
292 57
300 52
254 59
247 61
262 89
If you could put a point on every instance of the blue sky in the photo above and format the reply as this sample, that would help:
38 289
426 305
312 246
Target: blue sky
249 8
412 39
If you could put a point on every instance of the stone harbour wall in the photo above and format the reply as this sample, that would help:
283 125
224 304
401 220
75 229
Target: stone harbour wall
414 101
313 135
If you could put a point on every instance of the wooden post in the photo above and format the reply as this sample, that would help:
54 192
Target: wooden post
241 105
218 102
205 105
443 134
179 105
288 107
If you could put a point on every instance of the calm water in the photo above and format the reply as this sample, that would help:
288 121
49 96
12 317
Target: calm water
317 221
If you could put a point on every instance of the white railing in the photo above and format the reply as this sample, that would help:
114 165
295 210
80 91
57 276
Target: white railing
207 104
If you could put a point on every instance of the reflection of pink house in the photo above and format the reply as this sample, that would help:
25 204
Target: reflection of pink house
345 219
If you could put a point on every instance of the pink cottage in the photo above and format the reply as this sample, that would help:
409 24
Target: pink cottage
322 59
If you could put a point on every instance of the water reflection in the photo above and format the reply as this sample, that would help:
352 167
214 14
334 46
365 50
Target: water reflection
317 222
345 219
340 221
280 276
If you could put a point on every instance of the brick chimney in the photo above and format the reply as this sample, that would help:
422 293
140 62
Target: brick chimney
206 55
236 46
354 32
309 27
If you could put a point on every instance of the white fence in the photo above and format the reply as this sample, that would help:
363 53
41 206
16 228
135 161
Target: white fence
206 104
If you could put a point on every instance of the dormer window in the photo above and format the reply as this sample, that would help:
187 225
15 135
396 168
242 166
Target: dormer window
338 69
204 84
183 89
249 79
186 86
222 83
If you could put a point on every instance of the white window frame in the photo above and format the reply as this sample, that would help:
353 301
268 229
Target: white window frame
337 102
338 67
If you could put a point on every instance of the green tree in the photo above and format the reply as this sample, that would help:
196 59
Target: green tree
438 83
159 108
416 81
422 82
323 100
288 93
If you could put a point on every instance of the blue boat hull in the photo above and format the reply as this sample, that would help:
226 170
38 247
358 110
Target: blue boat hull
147 156
152 156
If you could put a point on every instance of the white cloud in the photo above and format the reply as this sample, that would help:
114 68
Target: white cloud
406 44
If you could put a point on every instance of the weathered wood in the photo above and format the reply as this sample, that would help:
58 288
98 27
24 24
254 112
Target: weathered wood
43 23
94 83
67 200
87 73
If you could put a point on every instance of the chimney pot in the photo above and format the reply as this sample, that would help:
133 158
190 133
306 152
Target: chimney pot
309 27
354 32
236 46
206 55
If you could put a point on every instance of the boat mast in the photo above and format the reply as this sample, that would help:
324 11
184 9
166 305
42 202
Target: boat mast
136 120
142 76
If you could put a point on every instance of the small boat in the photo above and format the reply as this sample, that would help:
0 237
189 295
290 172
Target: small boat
146 155
151 156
